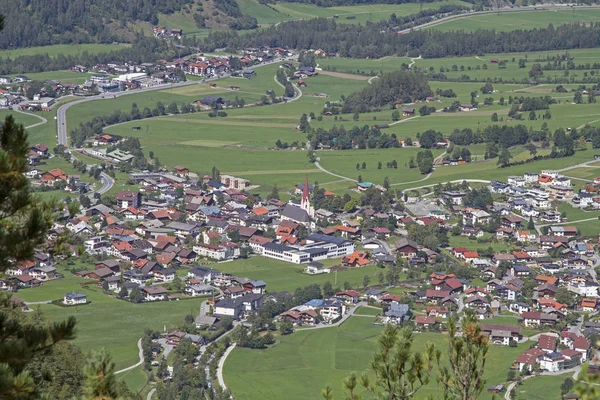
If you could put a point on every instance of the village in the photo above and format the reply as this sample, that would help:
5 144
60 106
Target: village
167 240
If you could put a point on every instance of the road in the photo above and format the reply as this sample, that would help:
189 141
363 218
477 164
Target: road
221 364
296 88
150 393
42 119
141 355
107 183
61 113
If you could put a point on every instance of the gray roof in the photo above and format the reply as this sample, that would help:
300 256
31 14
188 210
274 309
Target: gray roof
295 213
398 310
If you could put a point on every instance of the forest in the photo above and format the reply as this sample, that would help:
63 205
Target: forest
371 41
393 87
41 23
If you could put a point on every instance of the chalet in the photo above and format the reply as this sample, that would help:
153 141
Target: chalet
536 319
397 313
422 321
199 290
436 296
300 317
407 248
154 293
501 334
349 296
407 112
74 298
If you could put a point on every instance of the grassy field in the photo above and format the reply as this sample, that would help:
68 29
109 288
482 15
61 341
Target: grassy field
463 241
20 118
356 14
107 322
282 276
542 387
309 360
64 49
510 21
473 66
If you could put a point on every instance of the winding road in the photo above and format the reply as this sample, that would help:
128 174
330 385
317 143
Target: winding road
42 119
141 355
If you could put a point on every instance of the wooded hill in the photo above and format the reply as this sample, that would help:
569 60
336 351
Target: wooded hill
41 23
390 88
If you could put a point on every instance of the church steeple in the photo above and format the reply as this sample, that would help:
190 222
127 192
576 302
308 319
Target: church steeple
305 203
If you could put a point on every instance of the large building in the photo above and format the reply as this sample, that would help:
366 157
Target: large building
317 247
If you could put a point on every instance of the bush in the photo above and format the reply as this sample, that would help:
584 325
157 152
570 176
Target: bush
222 114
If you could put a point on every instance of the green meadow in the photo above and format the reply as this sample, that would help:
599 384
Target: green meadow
509 21
477 68
107 322
281 276
20 118
309 360
357 14
62 49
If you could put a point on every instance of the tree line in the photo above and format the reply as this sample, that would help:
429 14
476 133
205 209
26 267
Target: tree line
371 41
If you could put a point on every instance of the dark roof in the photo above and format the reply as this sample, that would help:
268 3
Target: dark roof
295 213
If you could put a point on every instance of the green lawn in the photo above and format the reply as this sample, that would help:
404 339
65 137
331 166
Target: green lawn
309 360
107 322
63 49
282 276
510 21
477 68
463 241
356 14
542 387
369 311
20 118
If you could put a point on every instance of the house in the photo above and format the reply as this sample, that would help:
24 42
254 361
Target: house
314 268
199 290
74 298
154 293
501 334
300 317
165 274
407 248
397 313
356 259
422 321
349 296
239 307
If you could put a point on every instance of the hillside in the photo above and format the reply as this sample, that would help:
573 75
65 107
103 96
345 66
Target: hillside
42 23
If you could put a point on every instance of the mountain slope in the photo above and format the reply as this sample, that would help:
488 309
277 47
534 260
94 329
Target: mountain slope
40 23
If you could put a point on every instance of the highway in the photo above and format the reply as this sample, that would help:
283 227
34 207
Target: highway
61 113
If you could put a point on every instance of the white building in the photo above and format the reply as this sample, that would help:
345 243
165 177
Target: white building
74 298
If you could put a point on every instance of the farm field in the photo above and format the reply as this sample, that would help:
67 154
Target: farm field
64 49
476 63
357 14
309 360
526 20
